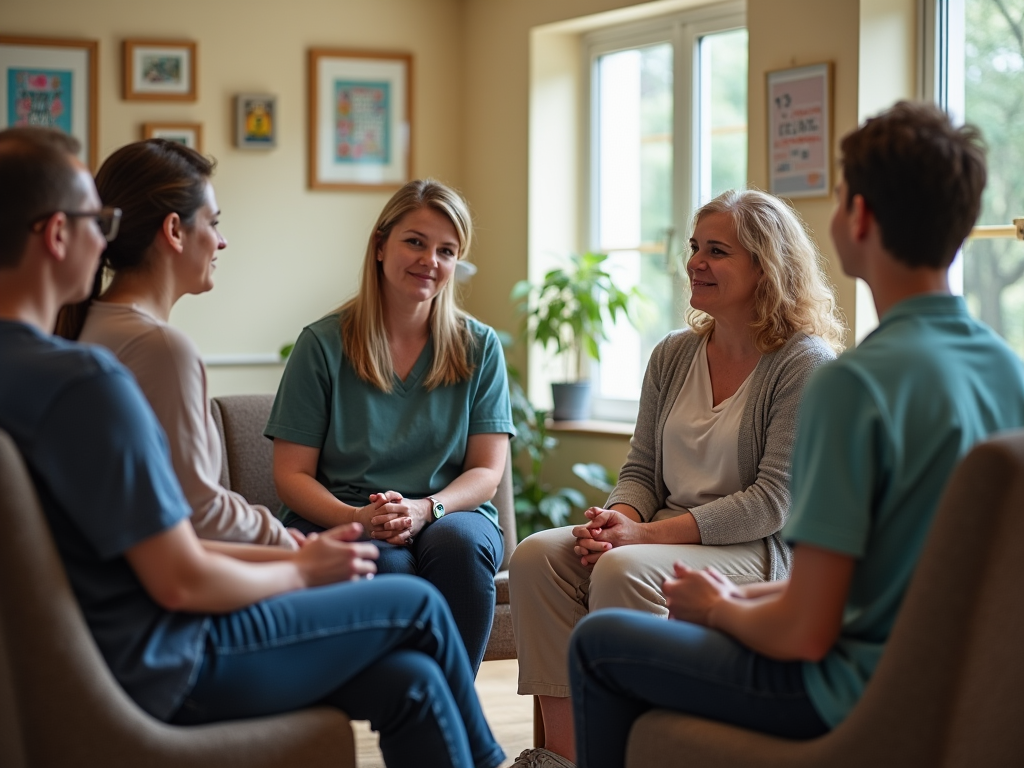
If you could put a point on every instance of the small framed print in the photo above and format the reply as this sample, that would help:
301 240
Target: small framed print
189 134
255 121
159 70
360 119
51 82
800 131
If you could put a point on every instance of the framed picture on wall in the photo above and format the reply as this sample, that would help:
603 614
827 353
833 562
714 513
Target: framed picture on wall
160 70
189 134
255 121
51 82
360 119
800 131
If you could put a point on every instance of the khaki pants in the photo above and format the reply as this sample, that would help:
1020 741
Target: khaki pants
551 590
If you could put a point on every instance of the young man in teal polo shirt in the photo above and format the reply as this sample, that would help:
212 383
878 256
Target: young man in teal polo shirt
880 432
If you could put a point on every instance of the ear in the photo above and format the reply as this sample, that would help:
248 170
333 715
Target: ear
171 231
378 246
56 235
862 219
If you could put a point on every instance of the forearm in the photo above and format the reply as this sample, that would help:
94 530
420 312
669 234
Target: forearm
222 515
766 624
681 529
469 490
306 496
252 553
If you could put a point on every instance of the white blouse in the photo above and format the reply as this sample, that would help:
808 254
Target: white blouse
699 444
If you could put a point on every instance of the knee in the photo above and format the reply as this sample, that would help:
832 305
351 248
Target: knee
531 560
469 539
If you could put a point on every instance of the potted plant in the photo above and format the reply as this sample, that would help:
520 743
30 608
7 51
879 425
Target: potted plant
568 311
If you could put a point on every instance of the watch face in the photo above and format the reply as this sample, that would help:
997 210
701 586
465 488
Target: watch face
438 510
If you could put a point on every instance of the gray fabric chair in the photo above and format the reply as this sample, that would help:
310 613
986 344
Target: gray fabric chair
59 704
949 690
248 470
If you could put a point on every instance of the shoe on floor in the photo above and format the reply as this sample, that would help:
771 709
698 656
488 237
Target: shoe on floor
541 758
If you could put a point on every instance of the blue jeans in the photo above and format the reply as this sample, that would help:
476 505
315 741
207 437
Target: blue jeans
459 554
384 650
624 663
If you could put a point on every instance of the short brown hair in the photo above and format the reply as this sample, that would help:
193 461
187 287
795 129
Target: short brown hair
36 178
921 177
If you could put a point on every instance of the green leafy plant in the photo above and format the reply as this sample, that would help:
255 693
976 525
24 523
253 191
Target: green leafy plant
595 475
538 506
570 308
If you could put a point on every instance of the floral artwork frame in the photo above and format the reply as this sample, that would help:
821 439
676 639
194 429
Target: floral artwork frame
189 134
360 119
256 120
160 70
800 131
51 82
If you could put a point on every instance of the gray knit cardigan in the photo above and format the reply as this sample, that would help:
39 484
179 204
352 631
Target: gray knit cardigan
765 443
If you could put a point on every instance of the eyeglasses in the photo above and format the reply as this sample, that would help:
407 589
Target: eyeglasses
107 219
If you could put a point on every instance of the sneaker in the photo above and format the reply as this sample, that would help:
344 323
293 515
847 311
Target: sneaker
540 758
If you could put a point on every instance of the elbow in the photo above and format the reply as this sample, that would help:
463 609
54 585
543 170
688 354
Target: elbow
814 644
171 597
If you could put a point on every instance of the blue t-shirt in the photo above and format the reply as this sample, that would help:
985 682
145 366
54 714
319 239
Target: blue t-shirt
101 468
880 432
409 440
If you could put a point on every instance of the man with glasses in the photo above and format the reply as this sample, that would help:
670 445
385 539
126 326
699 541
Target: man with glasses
196 631
880 431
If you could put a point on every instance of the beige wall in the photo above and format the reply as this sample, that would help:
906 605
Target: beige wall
293 253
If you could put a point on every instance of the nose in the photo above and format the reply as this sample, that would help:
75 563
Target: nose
696 262
222 242
429 257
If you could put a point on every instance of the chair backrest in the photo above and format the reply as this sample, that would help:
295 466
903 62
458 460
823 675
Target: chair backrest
53 673
249 460
949 689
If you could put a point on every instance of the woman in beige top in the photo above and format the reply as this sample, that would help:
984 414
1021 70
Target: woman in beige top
166 248
706 481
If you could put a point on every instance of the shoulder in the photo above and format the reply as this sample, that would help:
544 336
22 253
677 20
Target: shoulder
481 333
804 351
676 347
324 334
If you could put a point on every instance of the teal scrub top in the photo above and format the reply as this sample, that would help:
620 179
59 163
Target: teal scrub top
409 440
880 431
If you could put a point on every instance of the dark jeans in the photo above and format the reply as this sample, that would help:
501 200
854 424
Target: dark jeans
459 554
384 650
624 663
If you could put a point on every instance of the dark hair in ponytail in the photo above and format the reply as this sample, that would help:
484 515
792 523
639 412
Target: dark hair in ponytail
147 180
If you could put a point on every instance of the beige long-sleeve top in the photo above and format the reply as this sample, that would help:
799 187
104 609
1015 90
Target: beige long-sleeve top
170 372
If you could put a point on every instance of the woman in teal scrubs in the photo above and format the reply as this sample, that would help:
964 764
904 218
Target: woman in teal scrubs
394 412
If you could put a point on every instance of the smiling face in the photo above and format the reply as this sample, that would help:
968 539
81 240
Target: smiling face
418 257
201 241
723 276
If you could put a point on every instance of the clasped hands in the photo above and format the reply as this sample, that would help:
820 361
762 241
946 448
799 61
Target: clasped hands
393 518
605 529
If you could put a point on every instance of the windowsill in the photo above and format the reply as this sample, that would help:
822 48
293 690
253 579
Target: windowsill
593 427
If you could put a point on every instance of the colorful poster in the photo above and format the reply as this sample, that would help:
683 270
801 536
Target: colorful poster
40 97
798 103
362 119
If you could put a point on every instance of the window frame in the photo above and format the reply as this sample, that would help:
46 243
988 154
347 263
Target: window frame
684 31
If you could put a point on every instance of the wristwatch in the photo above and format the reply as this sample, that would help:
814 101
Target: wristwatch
436 508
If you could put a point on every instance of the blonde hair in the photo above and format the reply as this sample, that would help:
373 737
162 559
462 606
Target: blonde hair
793 295
362 318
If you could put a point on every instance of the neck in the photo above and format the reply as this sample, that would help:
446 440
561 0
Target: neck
25 298
733 340
891 282
407 322
154 293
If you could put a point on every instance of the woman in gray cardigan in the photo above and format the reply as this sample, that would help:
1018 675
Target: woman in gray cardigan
706 481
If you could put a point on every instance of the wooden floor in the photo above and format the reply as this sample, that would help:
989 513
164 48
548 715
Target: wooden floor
510 715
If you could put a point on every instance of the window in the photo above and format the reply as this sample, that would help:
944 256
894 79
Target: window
979 65
667 132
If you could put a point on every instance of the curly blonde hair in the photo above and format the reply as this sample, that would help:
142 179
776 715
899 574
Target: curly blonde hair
793 295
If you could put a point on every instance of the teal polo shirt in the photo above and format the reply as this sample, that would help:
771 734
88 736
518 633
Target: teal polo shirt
880 431
408 440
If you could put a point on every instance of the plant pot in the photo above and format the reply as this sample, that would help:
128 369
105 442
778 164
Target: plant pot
572 401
